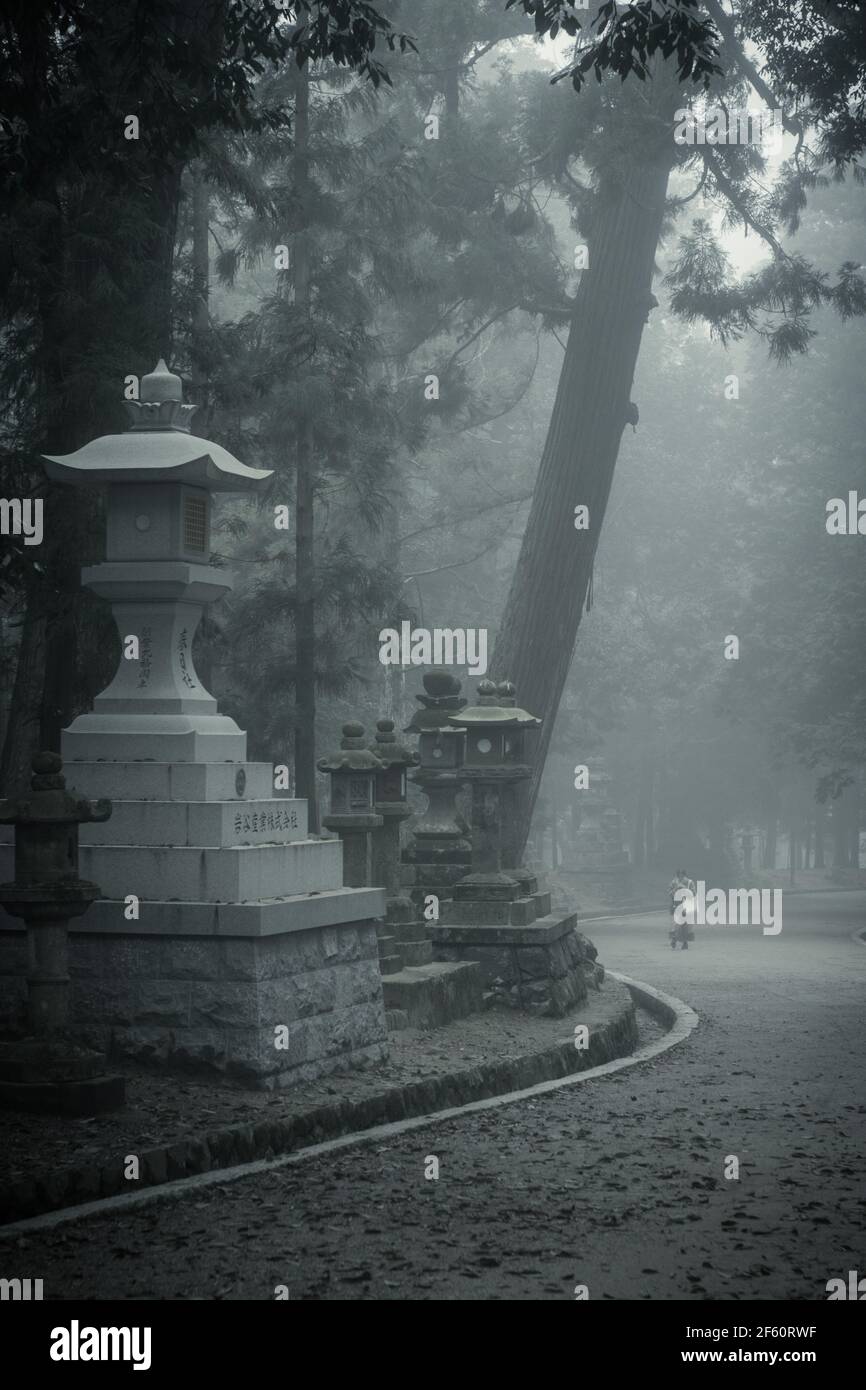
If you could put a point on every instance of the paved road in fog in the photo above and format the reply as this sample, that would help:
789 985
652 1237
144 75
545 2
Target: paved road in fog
616 1184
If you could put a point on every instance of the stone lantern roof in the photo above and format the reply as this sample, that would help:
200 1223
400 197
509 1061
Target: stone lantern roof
388 750
495 706
442 698
353 756
157 448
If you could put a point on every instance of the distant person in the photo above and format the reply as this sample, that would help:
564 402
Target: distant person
682 895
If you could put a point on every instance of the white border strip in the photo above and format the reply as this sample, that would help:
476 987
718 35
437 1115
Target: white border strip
685 1020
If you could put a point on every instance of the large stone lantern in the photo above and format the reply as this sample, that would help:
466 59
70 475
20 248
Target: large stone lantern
157 576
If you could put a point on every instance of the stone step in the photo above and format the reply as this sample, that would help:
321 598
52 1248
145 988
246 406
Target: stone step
154 781
416 952
396 1019
518 912
410 931
244 873
434 994
180 738
276 820
192 920
390 965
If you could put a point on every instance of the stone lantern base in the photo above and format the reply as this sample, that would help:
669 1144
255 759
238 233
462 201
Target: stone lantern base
225 940
57 1077
529 958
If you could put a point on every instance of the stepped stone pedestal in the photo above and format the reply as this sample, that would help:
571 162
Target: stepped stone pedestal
225 936
529 958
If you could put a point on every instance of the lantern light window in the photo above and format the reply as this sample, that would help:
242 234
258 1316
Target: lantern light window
194 522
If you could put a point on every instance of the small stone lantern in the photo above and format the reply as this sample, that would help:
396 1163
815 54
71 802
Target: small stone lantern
495 747
440 853
391 804
48 1070
353 799
403 934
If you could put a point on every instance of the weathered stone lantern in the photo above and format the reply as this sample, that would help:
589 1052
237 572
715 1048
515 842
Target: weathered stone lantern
403 934
529 958
158 578
391 803
493 765
353 800
440 853
48 1070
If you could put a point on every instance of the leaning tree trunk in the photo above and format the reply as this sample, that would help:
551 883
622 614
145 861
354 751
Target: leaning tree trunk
545 603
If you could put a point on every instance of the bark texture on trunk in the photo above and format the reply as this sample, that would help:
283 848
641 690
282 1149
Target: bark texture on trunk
546 600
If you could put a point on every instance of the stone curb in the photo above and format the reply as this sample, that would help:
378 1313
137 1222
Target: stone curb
244 1143
662 1006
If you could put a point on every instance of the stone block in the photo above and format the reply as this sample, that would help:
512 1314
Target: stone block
297 997
13 1001
273 820
166 1002
223 1004
431 995
238 874
154 781
13 953
189 959
103 1004
359 983
240 959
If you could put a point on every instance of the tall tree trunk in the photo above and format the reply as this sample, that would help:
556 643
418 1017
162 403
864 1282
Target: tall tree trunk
545 603
840 833
820 833
771 843
642 849
305 551
22 731
200 283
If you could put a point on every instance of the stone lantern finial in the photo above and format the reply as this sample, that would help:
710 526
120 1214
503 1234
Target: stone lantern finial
161 384
160 404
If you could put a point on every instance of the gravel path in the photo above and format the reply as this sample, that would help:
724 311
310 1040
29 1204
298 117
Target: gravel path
617 1184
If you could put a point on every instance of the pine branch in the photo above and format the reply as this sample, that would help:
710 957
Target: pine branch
463 516
725 24
731 192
